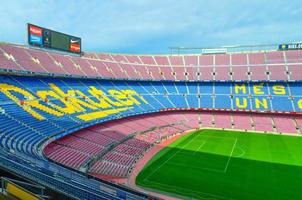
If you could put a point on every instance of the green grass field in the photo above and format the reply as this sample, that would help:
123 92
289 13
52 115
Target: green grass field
216 164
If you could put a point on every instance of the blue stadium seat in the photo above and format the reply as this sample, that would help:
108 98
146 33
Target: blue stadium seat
23 131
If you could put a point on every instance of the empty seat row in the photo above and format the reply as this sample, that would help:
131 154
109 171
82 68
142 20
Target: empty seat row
274 65
119 161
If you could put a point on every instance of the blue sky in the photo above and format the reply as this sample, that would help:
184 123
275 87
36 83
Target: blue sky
151 26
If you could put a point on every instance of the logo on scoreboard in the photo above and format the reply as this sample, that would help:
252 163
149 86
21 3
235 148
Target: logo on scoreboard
35 30
35 39
35 35
74 41
75 45
46 38
294 46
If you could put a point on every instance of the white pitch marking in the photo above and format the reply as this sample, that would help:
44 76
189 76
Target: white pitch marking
168 159
198 168
200 146
227 165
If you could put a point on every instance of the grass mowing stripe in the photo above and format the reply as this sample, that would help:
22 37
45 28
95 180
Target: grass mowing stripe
199 168
195 193
180 149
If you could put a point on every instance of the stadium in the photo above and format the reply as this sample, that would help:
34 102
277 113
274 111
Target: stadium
224 123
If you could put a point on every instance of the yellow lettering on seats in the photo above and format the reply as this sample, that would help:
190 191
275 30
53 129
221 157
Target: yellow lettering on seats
34 103
300 104
104 100
240 87
102 103
258 89
121 97
262 103
241 105
279 89
101 114
69 109
87 99
132 94
73 101
77 103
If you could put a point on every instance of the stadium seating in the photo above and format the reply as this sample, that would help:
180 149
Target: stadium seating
242 122
100 113
285 124
51 106
119 161
65 155
270 65
263 123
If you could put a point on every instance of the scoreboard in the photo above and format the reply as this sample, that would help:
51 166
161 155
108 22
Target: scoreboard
293 46
42 37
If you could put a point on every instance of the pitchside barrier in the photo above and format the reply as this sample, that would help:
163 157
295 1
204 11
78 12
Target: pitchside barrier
18 189
232 111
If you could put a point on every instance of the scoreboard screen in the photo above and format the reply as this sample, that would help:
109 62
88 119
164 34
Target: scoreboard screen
42 37
293 46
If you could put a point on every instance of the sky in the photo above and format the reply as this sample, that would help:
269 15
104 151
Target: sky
152 26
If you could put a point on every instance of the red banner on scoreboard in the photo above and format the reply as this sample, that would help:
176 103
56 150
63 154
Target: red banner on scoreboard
75 47
35 30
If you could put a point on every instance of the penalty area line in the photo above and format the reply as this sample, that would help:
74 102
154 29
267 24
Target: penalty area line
147 177
200 146
227 165
198 168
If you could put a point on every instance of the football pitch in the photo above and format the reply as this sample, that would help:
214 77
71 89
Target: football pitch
216 164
